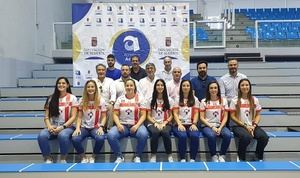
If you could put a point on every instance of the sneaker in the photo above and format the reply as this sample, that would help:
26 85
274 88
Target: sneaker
119 160
48 161
63 161
170 159
137 159
92 159
214 158
84 160
192 160
222 158
183 160
153 159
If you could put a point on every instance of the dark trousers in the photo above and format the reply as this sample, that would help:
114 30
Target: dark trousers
165 134
244 139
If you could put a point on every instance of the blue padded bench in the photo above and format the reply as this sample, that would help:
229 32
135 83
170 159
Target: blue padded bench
160 166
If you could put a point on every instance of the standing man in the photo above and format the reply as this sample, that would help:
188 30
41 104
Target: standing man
147 83
229 82
137 72
111 71
166 73
201 82
174 85
107 89
120 83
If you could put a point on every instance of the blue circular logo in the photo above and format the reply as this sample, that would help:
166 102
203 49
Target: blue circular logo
130 43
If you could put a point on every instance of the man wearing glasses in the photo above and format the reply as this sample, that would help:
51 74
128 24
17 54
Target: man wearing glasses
200 82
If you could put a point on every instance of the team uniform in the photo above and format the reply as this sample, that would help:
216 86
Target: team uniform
214 114
160 116
90 123
129 114
186 117
65 106
244 136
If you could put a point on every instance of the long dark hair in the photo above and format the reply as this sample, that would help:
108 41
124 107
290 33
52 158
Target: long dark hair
191 98
208 96
54 98
249 97
166 105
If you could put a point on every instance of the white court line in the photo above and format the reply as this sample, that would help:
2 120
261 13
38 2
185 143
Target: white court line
71 167
21 170
251 166
295 164
15 136
207 169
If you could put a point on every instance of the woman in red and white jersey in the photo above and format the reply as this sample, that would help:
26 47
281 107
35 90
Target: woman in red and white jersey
91 121
186 113
245 112
129 116
213 114
60 113
159 116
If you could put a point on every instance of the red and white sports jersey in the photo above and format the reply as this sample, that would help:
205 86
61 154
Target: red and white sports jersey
159 115
129 109
186 113
214 111
91 118
245 113
65 105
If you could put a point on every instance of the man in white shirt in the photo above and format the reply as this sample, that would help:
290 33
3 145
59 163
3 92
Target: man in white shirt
125 75
107 89
229 82
146 84
166 74
174 85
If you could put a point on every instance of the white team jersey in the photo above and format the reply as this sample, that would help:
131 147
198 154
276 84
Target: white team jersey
214 111
159 115
91 118
65 105
129 109
245 113
186 113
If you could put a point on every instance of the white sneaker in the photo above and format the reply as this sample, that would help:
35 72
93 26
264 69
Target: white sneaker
222 158
137 159
84 160
48 161
153 159
170 159
183 160
214 158
192 160
63 161
119 160
92 159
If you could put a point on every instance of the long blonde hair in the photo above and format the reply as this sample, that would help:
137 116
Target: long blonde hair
249 97
85 97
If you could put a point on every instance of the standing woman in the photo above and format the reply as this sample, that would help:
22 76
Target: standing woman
129 116
159 117
186 113
213 114
90 121
245 112
60 113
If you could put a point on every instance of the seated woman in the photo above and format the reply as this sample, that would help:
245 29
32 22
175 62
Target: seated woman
213 114
159 117
186 113
129 116
60 113
91 120
245 112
